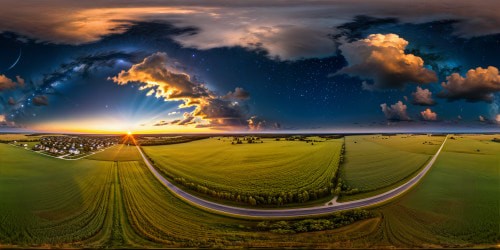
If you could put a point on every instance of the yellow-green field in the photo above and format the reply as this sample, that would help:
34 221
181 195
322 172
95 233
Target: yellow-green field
120 152
47 202
376 163
270 167
455 205
22 137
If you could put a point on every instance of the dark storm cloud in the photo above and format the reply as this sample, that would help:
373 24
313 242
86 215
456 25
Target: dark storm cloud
237 94
382 58
478 85
156 74
285 29
395 112
40 100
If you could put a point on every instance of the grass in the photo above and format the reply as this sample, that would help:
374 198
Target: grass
120 152
47 202
375 163
456 205
270 167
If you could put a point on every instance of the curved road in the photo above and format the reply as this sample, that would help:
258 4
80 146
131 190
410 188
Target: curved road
292 212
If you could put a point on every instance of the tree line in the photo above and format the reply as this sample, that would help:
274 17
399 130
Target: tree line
263 198
309 225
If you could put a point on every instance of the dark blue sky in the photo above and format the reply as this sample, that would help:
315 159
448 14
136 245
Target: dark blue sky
291 86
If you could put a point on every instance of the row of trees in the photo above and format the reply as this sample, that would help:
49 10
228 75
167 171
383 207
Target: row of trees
270 199
254 199
309 225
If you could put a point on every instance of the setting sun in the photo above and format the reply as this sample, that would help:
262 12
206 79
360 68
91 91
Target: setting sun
129 132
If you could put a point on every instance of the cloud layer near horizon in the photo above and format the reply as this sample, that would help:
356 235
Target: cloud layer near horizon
155 75
286 29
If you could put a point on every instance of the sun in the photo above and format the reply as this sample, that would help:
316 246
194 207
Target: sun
129 132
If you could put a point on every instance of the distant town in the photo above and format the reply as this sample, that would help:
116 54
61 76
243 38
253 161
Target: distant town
69 146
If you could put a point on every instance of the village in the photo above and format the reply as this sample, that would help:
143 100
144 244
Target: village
73 145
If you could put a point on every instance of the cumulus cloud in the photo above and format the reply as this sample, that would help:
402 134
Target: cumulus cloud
20 81
6 83
381 58
286 29
256 123
173 113
428 115
40 100
156 75
478 85
238 94
395 112
422 97
4 123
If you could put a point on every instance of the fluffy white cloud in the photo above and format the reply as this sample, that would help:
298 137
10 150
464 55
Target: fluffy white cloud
428 115
395 112
478 85
382 59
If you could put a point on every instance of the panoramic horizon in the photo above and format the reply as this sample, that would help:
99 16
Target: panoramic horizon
223 124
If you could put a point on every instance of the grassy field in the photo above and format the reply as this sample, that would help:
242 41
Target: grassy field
21 137
455 205
270 167
48 202
375 163
120 152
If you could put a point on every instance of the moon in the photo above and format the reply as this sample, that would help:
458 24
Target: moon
15 62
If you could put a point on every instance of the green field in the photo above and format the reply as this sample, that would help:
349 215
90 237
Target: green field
47 202
271 167
120 152
456 204
376 163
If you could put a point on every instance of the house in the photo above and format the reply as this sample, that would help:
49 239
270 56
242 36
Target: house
74 151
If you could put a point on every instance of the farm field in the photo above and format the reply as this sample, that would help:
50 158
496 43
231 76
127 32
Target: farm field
96 204
107 204
271 167
376 163
119 152
455 205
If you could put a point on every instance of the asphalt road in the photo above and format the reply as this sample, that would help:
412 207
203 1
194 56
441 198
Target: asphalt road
292 212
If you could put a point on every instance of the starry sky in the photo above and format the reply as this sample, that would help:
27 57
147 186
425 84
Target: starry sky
250 66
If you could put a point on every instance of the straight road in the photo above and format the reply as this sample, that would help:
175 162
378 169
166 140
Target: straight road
292 212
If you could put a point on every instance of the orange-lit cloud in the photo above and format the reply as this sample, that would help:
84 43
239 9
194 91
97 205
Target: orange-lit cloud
428 115
155 75
422 97
478 85
286 29
6 83
381 58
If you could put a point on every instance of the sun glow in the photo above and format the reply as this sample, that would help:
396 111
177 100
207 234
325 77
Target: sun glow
129 132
